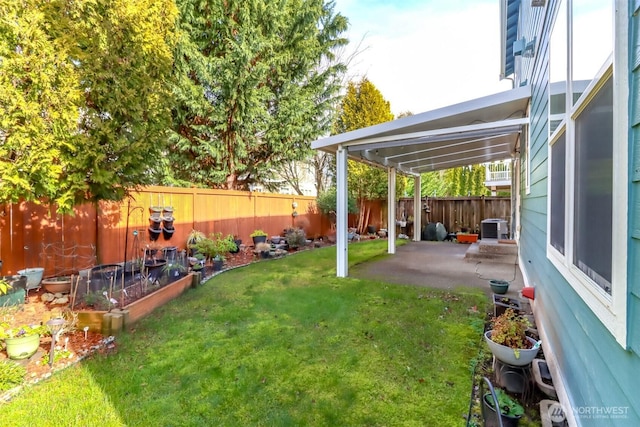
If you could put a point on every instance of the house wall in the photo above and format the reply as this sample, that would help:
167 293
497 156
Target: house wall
597 373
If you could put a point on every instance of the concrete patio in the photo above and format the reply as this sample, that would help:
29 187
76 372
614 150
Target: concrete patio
447 265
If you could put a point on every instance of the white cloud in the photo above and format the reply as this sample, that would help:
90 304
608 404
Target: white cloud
426 55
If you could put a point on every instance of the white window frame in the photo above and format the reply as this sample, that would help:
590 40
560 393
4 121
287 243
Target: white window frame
610 309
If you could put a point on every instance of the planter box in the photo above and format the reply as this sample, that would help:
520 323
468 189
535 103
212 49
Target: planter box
466 238
112 322
501 303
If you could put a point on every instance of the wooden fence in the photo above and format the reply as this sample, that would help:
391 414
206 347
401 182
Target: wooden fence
458 213
32 235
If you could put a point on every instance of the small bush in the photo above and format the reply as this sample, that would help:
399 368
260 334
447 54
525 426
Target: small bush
11 375
295 237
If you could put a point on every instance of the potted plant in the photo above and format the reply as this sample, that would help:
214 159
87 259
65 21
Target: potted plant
193 238
218 262
23 341
215 246
258 236
173 270
510 409
295 237
508 340
264 249
61 284
499 287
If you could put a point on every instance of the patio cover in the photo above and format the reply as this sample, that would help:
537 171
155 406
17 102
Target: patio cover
478 131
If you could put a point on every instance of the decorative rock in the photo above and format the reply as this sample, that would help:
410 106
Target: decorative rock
62 300
47 297
58 295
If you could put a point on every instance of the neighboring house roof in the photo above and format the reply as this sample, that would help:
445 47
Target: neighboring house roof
477 131
508 35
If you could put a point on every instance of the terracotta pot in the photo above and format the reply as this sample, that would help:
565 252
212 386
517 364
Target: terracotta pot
57 284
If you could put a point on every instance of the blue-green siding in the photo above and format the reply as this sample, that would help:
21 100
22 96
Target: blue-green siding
596 370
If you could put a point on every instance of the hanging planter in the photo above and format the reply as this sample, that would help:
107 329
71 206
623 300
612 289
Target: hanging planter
155 211
167 222
167 233
154 223
154 234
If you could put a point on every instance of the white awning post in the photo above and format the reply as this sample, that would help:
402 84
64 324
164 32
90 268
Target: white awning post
391 210
417 209
342 213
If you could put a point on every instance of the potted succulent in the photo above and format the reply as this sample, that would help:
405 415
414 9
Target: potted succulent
508 340
258 236
23 341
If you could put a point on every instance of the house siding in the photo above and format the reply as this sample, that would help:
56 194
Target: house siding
596 371
634 191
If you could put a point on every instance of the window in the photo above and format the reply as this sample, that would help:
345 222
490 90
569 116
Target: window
557 205
587 139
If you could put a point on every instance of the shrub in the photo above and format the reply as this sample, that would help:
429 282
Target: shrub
327 202
257 233
216 246
295 237
11 375
509 330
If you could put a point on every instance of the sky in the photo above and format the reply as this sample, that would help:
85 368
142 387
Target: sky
425 54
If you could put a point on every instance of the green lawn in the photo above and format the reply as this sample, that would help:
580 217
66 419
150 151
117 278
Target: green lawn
278 343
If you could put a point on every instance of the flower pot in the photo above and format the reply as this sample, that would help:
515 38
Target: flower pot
34 276
22 347
217 264
155 211
499 287
154 223
520 357
167 233
259 239
57 284
507 420
167 222
154 234
466 238
238 242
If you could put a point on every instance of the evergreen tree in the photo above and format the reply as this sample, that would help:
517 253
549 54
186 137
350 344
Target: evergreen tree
83 98
256 83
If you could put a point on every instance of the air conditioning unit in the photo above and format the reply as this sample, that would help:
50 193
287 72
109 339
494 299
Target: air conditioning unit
494 228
